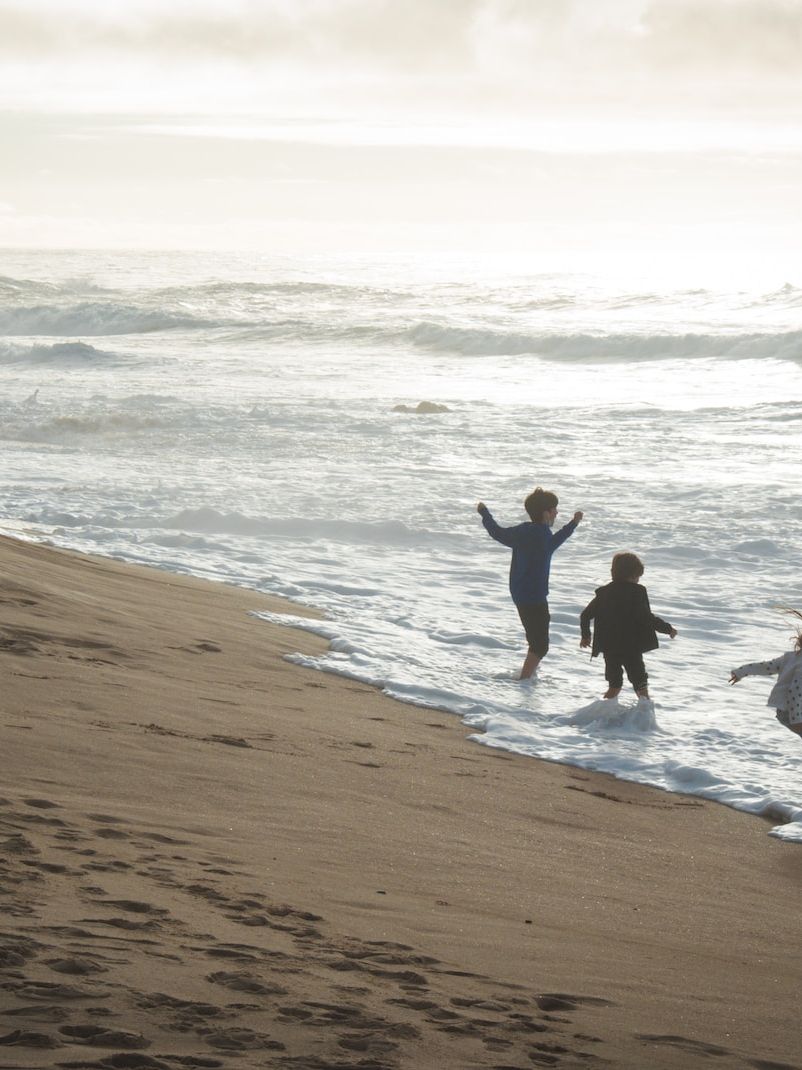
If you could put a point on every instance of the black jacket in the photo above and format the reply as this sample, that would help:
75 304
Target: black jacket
624 622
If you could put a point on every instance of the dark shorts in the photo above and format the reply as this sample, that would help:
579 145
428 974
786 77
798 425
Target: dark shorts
535 619
615 665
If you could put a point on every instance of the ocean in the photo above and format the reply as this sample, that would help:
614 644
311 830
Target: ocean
258 420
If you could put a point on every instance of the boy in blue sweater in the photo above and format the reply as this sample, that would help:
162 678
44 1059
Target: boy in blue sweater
532 545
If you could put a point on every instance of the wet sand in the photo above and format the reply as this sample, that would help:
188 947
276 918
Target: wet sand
212 858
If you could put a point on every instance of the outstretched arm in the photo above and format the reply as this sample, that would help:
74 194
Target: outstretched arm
756 668
568 529
496 531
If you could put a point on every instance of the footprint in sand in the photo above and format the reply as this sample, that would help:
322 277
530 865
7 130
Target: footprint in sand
52 867
40 1013
134 906
125 924
767 1064
525 1023
39 819
185 1009
17 951
111 866
370 1043
236 954
481 1004
122 1061
695 1047
97 1037
228 741
206 891
242 981
75 966
559 1001
24 1038
49 990
240 1039
20 643
18 845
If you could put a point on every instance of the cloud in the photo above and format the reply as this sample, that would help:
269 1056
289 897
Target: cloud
540 55
417 32
747 36
370 32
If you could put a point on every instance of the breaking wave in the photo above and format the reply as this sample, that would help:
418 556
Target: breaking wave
479 342
57 430
62 353
90 318
383 532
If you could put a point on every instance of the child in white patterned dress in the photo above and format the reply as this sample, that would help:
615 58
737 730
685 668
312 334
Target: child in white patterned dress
786 695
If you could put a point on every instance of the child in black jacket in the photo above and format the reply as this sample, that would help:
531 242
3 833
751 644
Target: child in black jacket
624 628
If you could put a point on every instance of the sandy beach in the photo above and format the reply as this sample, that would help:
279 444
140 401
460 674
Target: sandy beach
213 858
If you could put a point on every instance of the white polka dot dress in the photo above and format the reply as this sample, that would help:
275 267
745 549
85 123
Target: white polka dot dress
786 695
794 703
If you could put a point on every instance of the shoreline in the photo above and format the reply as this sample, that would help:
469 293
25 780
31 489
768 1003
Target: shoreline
774 813
331 874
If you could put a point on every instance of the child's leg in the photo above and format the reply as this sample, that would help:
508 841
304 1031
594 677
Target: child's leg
613 674
637 675
531 662
535 619
792 721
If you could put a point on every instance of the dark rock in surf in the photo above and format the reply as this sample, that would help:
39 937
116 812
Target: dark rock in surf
422 408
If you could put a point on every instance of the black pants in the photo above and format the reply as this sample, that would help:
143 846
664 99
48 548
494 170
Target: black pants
615 665
535 619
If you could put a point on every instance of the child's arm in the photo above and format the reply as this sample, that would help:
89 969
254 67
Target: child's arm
585 617
568 529
645 613
496 531
663 626
756 668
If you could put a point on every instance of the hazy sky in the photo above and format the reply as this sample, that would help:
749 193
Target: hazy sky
579 128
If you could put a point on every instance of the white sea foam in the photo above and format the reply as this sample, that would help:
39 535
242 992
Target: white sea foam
91 319
605 347
603 714
237 424
381 533
60 353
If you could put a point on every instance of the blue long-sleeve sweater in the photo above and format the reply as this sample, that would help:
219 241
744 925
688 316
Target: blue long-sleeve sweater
532 546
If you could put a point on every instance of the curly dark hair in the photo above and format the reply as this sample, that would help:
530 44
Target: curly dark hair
798 635
626 566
